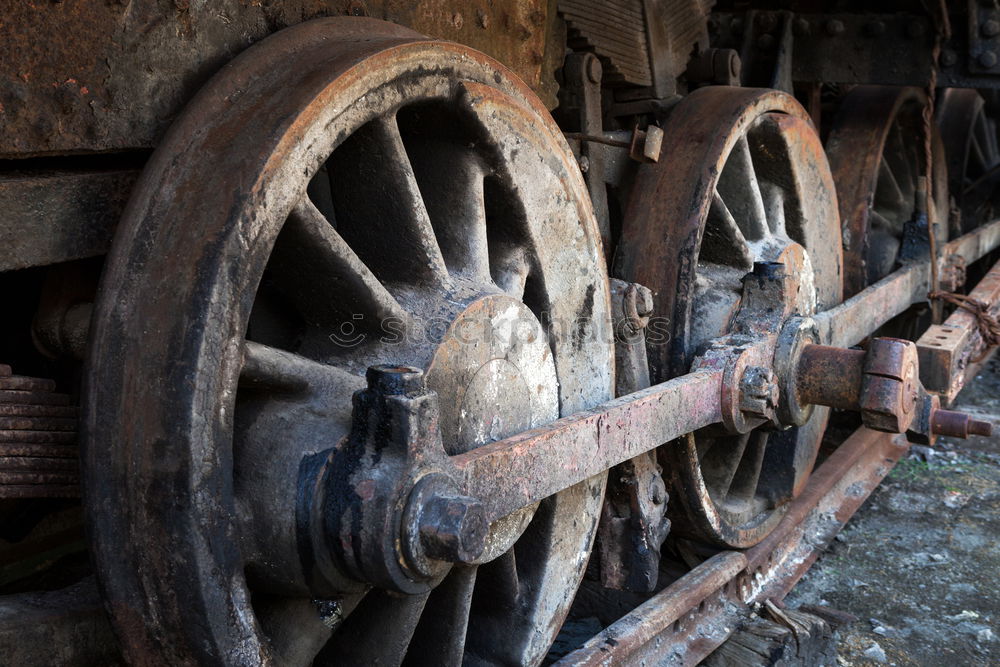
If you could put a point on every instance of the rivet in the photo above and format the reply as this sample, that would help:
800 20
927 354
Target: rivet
834 27
990 28
594 69
874 28
987 59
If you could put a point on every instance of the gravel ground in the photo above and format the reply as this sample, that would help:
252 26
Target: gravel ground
919 564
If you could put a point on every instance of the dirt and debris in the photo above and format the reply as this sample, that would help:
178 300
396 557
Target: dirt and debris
919 564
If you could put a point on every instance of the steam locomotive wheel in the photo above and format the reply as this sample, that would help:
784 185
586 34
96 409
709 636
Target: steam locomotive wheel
343 194
971 140
746 181
876 152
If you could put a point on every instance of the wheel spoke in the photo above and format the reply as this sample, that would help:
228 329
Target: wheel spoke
976 155
510 268
985 139
266 366
723 241
888 194
440 637
739 188
897 154
379 206
774 206
720 464
377 633
295 627
451 178
324 278
499 582
744 482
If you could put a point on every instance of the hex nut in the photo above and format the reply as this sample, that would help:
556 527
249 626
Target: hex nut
758 392
453 529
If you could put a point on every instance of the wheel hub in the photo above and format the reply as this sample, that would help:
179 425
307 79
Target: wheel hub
495 374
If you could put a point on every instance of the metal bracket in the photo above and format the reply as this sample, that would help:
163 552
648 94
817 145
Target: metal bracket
583 78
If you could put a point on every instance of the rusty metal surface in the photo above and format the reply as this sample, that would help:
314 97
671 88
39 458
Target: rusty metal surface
645 43
853 320
876 156
858 48
836 490
829 376
970 139
671 626
947 350
46 218
633 522
38 434
80 76
517 471
178 587
615 31
746 183
690 618
64 627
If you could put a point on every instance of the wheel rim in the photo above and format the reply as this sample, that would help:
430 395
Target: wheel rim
876 153
970 139
747 181
182 484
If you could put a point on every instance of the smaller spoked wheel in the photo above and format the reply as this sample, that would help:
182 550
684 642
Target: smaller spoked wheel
345 194
877 156
747 182
970 139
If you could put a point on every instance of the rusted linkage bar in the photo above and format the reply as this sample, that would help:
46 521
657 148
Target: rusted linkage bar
509 474
947 350
855 319
689 619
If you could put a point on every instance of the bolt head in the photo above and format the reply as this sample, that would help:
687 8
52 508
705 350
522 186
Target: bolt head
948 58
987 59
758 392
643 300
453 529
834 27
990 28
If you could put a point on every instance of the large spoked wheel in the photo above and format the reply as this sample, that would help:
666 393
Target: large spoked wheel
746 181
970 139
876 153
343 194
